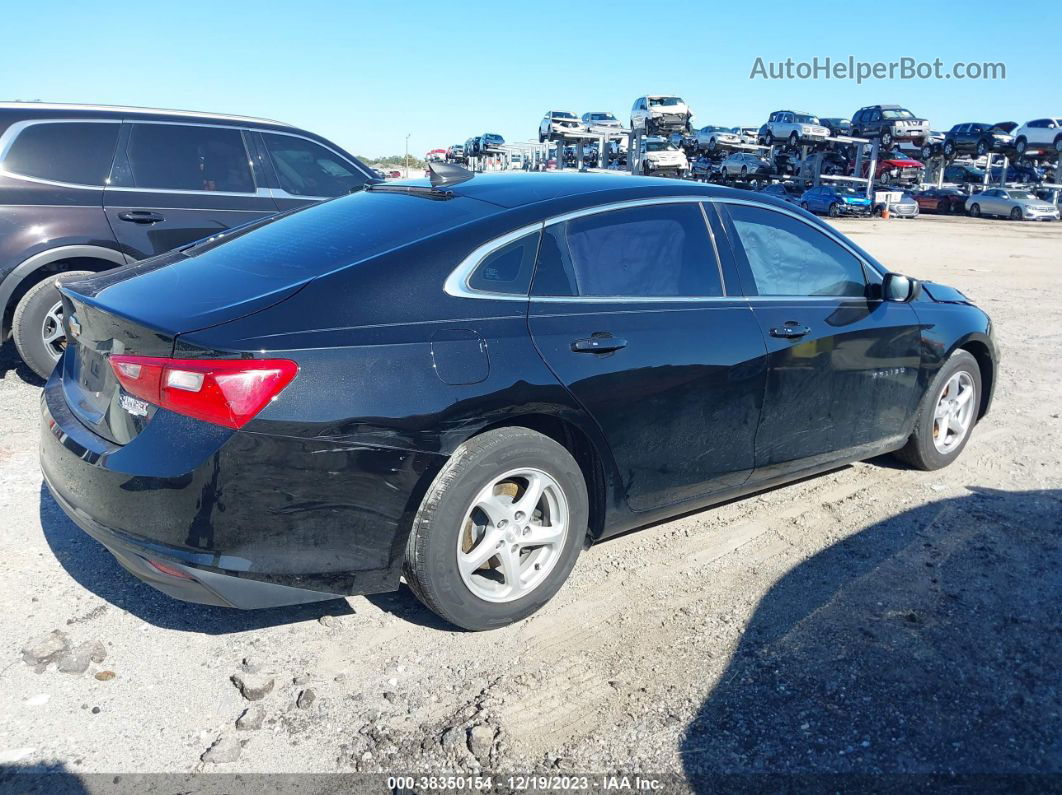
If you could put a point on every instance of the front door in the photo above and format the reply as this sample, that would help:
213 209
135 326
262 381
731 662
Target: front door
843 364
176 183
631 311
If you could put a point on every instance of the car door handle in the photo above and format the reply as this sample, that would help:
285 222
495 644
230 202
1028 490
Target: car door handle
598 345
141 217
790 332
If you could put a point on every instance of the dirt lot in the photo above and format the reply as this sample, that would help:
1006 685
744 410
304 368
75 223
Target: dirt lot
871 619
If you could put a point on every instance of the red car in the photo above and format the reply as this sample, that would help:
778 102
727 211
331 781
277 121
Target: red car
941 200
895 169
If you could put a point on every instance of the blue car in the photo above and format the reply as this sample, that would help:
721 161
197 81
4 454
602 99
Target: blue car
835 200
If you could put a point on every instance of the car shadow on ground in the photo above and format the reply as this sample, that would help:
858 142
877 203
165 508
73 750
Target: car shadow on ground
95 569
11 365
929 642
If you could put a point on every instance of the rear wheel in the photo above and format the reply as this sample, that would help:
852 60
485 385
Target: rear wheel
37 326
949 149
499 530
947 414
982 148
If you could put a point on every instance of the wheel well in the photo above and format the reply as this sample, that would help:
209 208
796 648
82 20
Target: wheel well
50 269
583 450
988 371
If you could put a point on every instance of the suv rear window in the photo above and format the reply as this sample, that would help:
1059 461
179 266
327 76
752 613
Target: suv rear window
188 157
79 153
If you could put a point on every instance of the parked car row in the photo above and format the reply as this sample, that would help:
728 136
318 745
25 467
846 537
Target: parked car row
476 146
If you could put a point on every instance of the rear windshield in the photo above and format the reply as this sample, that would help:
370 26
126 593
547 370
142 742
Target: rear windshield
326 236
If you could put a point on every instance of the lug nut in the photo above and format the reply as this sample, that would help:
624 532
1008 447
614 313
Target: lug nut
519 516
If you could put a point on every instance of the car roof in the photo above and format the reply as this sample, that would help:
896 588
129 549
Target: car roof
56 109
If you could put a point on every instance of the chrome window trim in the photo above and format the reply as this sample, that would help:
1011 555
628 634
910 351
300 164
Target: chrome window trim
12 133
457 282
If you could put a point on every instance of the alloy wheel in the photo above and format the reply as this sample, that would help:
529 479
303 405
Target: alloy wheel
954 412
513 535
52 332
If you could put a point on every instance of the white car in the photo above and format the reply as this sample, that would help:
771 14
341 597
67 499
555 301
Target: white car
660 157
712 137
601 119
558 122
794 127
657 113
1039 134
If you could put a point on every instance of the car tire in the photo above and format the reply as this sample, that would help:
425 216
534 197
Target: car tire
1020 145
833 211
36 317
925 449
1015 214
445 523
744 172
804 206
982 148
886 139
949 149
975 210
1058 144
794 140
768 139
927 152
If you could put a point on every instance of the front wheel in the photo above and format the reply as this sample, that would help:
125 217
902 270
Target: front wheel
946 415
1015 214
38 324
834 210
1020 146
499 530
975 210
886 140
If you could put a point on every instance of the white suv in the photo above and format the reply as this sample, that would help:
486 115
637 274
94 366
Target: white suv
661 157
658 113
794 127
1039 134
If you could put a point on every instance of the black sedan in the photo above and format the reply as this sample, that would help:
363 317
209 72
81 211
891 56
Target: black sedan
465 383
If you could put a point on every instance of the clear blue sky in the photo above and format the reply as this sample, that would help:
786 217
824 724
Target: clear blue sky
365 74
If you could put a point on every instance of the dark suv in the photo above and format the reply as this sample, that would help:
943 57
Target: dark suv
978 138
890 123
87 188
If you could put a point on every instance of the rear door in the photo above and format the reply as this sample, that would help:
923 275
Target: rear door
174 183
843 365
633 312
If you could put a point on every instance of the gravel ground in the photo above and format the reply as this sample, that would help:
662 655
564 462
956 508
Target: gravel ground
871 619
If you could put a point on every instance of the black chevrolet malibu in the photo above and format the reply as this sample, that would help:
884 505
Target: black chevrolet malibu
464 384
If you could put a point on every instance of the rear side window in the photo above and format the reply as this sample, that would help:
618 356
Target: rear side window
788 257
308 169
507 270
76 152
642 252
188 157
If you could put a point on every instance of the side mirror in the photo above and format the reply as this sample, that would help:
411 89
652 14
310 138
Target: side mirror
899 288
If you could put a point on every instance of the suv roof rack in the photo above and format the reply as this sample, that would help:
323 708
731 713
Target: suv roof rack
135 109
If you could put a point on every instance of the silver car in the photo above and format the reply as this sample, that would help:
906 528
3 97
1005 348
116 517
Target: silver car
1018 205
713 137
599 118
557 123
745 164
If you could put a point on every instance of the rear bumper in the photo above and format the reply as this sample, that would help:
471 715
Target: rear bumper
250 520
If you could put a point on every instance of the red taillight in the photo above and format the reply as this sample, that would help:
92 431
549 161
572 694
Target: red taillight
227 392
172 571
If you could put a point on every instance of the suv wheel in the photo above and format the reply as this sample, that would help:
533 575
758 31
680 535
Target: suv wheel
1058 144
794 139
499 530
886 139
37 326
768 139
949 149
982 148
1020 145
927 151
